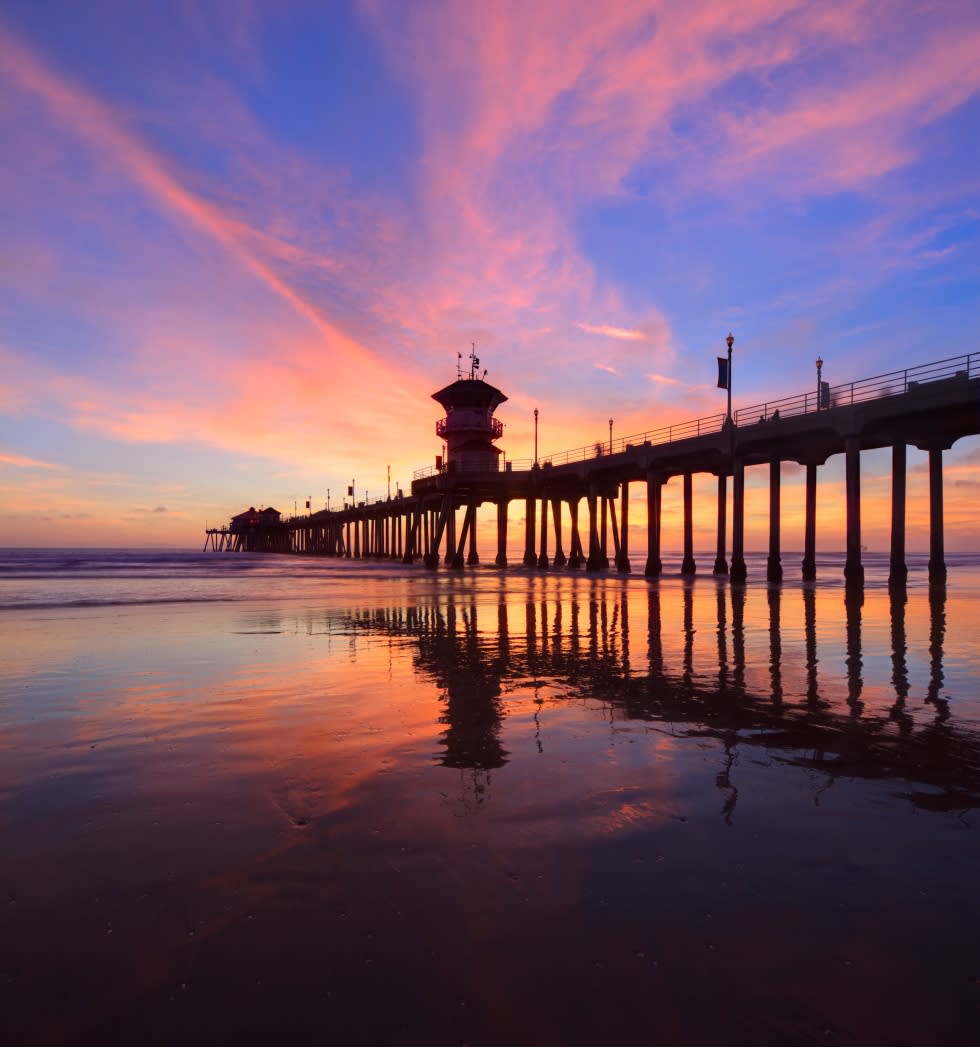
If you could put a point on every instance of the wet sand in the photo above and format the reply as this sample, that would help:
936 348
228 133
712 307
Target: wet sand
530 810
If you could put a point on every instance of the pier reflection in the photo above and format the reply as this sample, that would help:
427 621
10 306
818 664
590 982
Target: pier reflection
697 668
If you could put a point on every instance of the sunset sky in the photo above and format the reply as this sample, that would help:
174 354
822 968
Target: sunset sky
242 243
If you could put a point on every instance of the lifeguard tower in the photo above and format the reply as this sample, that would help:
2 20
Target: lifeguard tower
469 427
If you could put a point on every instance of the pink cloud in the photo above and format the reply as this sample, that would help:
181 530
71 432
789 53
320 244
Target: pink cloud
23 462
626 334
662 379
98 125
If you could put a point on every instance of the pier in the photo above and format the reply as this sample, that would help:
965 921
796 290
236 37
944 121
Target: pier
929 407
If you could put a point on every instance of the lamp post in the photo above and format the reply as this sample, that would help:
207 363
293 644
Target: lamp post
535 436
729 341
328 499
389 483
610 435
819 386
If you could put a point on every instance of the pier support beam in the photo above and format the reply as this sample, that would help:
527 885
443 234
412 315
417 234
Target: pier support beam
472 557
853 568
595 559
623 559
501 560
774 567
530 559
450 532
560 559
738 571
543 555
721 564
654 567
810 525
898 572
688 565
576 554
937 562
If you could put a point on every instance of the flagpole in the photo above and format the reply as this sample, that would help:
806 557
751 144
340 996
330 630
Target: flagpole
729 341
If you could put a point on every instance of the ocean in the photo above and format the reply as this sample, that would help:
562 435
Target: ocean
252 798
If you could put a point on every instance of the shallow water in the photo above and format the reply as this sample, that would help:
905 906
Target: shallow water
250 798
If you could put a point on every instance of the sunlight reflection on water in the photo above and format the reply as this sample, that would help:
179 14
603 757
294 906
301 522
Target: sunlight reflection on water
330 785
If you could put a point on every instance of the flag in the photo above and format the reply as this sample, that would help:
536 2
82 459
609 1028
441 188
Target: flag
307 503
350 492
723 376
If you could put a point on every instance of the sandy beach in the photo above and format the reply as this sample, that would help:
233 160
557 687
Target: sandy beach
269 799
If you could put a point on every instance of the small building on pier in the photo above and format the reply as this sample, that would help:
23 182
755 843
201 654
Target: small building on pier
252 519
469 427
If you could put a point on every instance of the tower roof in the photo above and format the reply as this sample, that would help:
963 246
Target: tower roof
469 392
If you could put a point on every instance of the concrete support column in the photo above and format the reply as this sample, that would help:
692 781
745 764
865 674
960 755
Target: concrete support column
560 559
357 539
472 557
774 567
688 565
530 559
501 560
810 525
603 540
575 556
898 572
721 564
623 562
937 563
654 566
738 571
853 568
594 561
450 536
543 555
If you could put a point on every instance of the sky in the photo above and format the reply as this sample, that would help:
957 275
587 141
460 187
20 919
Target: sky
242 243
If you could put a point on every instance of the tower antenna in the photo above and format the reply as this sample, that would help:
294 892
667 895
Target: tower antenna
474 361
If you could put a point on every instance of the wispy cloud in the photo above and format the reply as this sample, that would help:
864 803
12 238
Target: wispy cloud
663 379
21 461
624 334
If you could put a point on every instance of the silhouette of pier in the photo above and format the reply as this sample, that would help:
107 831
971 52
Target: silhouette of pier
929 407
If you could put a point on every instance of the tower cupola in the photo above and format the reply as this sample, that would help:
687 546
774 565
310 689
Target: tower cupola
469 427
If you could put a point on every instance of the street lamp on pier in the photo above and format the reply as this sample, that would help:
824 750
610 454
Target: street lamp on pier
535 436
610 435
819 384
729 341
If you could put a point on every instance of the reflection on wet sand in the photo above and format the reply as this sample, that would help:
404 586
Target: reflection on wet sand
739 810
585 653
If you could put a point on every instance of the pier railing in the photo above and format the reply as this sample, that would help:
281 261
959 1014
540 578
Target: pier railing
666 434
892 383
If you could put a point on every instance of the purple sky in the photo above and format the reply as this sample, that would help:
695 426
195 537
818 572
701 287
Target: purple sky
242 243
